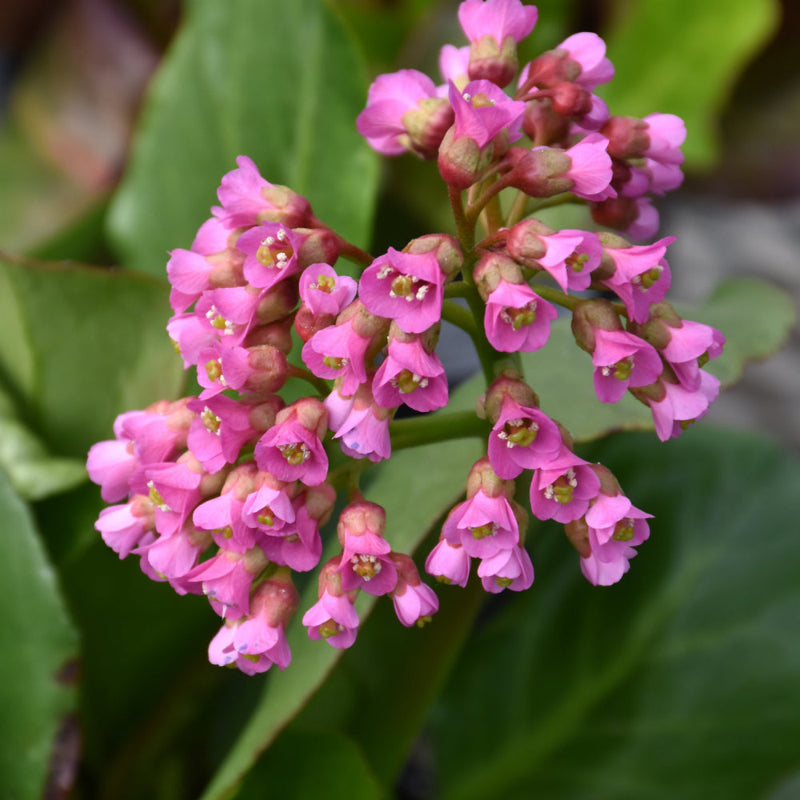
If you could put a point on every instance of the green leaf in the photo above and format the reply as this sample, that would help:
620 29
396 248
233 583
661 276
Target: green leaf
755 317
38 645
280 82
82 344
338 765
680 681
682 58
414 498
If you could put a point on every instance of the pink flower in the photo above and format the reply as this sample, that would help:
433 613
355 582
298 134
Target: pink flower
507 569
364 429
689 343
405 287
641 276
298 545
588 50
496 18
226 579
262 633
517 318
448 563
247 199
338 352
111 464
454 65
410 374
292 449
622 360
483 111
522 438
569 256
324 291
563 489
482 525
224 425
613 528
365 563
404 112
666 133
413 601
126 527
678 407
333 617
175 555
270 254
591 168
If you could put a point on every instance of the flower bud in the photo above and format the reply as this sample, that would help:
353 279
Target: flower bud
426 126
493 62
587 316
445 247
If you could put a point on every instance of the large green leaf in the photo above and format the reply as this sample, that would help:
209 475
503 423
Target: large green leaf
280 82
682 57
338 765
681 681
80 345
38 645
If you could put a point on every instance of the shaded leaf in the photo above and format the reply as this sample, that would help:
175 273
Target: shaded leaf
81 345
277 81
339 767
682 680
38 644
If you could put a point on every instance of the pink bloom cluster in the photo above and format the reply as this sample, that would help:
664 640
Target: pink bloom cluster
227 493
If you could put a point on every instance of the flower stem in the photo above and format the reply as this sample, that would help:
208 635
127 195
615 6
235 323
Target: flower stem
321 385
432 428
465 228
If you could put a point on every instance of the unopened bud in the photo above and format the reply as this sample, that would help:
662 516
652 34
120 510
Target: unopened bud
492 61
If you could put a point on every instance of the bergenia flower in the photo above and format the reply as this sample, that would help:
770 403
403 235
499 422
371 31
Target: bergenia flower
496 18
292 449
622 360
404 112
405 287
507 569
563 489
517 319
410 374
522 438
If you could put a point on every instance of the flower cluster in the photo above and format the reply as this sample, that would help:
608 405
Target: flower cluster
226 493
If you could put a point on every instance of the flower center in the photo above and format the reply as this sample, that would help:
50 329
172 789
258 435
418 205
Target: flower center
275 251
296 453
266 517
210 419
519 432
408 381
482 531
648 278
563 488
623 532
155 497
324 284
577 261
518 318
332 362
621 370
366 567
214 370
